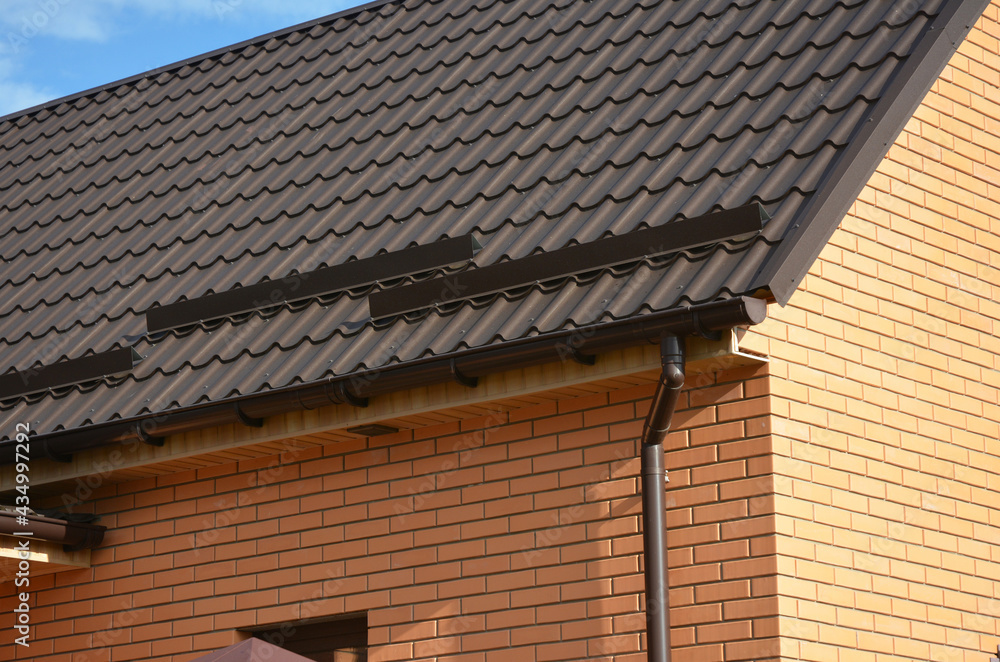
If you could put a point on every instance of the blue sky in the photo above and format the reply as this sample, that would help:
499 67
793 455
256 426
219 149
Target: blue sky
52 48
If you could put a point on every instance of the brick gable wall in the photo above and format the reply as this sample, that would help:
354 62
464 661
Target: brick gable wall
887 397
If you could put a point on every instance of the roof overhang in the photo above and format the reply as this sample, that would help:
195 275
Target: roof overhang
706 320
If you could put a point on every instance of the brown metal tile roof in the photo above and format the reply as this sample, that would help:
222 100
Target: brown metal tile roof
533 126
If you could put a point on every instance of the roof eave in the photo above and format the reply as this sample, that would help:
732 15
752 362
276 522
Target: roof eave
355 388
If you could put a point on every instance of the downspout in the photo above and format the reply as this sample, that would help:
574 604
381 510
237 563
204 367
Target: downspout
654 524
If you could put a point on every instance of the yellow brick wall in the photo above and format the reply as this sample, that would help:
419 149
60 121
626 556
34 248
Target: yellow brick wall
887 398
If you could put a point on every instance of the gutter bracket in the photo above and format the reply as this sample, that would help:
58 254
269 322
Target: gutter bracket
54 456
703 330
248 421
581 358
145 437
346 396
464 380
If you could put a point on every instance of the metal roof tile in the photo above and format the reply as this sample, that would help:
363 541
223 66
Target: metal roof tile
533 125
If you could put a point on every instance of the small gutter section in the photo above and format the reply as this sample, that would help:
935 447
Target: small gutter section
71 535
654 519
354 389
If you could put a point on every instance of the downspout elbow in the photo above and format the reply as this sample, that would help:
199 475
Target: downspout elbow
668 391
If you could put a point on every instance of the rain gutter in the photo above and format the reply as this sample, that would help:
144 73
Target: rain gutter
71 535
464 366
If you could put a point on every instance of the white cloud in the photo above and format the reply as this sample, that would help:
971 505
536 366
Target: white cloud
15 94
23 20
18 96
98 21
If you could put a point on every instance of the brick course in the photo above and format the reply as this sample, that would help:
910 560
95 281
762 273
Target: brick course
462 543
886 397
839 504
